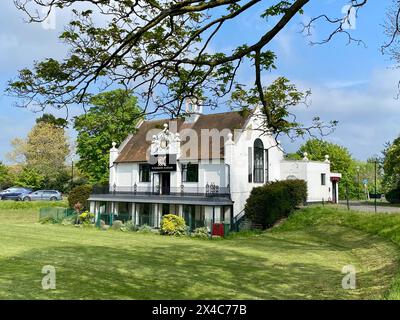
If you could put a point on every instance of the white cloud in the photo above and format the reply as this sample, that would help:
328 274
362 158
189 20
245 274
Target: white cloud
367 111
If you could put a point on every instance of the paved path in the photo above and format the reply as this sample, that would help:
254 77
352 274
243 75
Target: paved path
364 207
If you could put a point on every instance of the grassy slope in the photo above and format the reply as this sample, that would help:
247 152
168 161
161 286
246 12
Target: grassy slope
384 226
298 260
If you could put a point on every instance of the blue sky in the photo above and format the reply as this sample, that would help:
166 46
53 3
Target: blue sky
352 84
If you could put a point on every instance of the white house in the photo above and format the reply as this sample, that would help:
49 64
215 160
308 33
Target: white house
201 167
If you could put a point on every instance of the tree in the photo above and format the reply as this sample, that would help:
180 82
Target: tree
392 29
29 178
111 118
365 170
341 161
18 151
279 118
160 50
51 119
5 177
43 152
79 196
46 149
391 165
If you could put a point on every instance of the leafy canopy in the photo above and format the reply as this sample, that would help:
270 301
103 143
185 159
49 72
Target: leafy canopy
29 178
111 117
51 119
44 150
279 117
5 176
164 51
391 164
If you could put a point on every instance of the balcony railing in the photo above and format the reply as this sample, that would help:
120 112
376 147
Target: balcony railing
210 190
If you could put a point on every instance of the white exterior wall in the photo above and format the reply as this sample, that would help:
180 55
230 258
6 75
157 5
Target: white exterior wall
238 160
212 172
310 171
316 191
125 175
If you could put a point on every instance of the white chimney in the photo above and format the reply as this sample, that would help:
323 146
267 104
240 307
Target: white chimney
193 110
114 153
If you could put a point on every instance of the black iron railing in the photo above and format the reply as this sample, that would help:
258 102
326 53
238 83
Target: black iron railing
209 190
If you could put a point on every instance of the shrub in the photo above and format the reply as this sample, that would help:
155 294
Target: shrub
86 217
297 192
69 220
145 229
129 226
393 196
173 225
273 201
200 232
48 220
78 207
80 195
117 225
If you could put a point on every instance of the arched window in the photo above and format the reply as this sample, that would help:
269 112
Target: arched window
258 161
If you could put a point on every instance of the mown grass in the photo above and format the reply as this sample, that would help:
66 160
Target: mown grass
17 212
386 226
16 205
301 259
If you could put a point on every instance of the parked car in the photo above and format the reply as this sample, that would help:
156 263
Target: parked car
13 193
41 195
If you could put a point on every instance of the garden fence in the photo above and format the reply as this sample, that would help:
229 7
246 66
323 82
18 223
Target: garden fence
58 214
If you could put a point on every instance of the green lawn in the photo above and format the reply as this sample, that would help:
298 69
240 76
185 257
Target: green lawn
301 259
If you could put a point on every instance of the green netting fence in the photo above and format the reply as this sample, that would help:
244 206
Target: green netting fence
58 214
109 218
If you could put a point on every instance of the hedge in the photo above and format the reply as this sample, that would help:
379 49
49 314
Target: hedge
273 201
80 195
393 196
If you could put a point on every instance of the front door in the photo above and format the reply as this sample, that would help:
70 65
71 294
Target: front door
334 196
165 183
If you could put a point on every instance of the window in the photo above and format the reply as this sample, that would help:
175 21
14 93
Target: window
190 172
258 161
144 172
250 163
323 179
266 156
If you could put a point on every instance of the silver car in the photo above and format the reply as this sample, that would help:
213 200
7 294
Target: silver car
41 195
